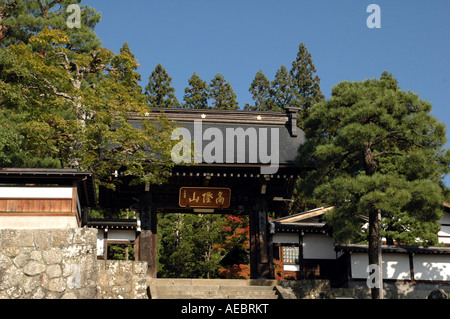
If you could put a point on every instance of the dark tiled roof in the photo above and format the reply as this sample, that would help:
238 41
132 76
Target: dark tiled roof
289 140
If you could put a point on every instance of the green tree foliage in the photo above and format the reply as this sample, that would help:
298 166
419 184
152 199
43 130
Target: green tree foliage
375 148
22 19
222 94
10 138
299 87
189 245
126 65
72 108
305 85
196 94
159 91
260 90
281 93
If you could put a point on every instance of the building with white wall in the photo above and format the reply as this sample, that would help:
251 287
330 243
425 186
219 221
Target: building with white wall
304 244
45 198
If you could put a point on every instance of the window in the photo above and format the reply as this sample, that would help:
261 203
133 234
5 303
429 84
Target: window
290 254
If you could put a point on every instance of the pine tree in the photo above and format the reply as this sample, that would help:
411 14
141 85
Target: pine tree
159 91
222 94
196 94
375 149
21 19
305 85
281 94
260 90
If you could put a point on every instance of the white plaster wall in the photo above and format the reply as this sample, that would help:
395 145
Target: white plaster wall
36 192
121 235
445 231
291 267
283 238
432 267
318 246
395 266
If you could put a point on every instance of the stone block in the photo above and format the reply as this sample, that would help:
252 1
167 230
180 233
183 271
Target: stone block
53 271
57 285
52 256
61 237
42 240
125 267
38 294
140 268
69 295
11 252
33 268
21 260
14 292
84 236
36 255
9 237
11 277
25 238
30 284
5 263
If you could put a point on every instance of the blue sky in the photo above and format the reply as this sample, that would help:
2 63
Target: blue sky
238 38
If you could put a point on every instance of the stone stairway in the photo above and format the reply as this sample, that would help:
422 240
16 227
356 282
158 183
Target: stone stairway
212 289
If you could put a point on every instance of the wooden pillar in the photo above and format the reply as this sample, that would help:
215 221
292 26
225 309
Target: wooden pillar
148 249
261 254
411 266
153 268
300 257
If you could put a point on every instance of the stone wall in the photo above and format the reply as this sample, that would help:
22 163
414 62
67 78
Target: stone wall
62 264
122 279
357 289
321 289
48 264
308 289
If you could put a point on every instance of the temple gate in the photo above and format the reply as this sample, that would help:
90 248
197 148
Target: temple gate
244 183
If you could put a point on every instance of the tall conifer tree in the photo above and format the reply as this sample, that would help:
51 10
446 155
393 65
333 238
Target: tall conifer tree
260 90
305 84
159 91
281 94
222 94
196 94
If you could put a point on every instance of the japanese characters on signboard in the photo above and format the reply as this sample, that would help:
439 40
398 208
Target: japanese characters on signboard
204 197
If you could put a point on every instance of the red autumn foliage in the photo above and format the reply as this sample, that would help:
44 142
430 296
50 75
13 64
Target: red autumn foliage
236 272
238 236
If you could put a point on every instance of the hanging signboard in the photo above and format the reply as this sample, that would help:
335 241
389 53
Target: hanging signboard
204 197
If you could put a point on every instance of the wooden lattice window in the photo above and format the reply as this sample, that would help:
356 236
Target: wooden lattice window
290 255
